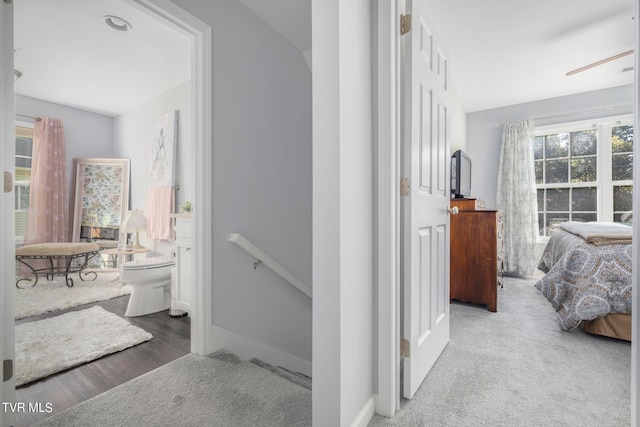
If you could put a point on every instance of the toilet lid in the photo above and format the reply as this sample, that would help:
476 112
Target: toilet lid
147 263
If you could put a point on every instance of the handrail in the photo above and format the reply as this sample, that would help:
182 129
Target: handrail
273 265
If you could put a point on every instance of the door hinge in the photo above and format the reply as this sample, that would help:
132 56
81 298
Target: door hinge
404 348
405 186
405 24
7 370
8 182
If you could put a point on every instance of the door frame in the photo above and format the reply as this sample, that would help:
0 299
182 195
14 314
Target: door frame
201 104
201 156
387 208
635 326
7 226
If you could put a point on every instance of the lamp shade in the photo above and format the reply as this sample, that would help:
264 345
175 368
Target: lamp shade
136 221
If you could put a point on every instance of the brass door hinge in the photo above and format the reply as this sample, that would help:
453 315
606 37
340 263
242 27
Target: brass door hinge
405 186
405 24
404 348
8 182
7 370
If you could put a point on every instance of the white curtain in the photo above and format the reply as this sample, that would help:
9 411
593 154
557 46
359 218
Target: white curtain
517 198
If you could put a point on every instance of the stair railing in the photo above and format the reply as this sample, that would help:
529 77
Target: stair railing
266 260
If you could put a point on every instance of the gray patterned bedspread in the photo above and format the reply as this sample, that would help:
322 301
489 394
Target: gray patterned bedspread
585 281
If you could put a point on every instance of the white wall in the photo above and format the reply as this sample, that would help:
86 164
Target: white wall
86 134
484 132
343 211
261 93
132 140
458 130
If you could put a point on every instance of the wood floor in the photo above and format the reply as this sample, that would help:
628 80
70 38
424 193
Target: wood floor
171 340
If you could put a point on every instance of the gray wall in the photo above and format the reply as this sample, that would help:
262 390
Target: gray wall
261 164
484 132
132 139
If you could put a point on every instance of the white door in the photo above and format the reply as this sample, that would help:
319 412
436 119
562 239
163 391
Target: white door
425 225
7 253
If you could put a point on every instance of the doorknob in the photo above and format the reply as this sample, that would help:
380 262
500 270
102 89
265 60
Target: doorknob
452 210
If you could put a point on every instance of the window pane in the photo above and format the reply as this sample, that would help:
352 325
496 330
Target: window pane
538 147
24 146
584 199
622 198
584 169
557 171
557 199
584 142
622 139
557 145
541 225
584 217
539 171
621 167
23 162
554 219
625 218
540 202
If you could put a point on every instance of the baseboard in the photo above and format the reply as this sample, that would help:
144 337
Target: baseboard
366 413
247 349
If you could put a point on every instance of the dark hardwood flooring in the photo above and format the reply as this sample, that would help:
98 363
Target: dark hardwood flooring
171 340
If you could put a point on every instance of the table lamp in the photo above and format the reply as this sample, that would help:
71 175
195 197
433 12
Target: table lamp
136 223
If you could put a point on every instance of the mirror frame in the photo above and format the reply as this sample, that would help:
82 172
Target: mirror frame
117 191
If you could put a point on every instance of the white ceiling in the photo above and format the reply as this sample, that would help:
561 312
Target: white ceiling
501 52
68 55
505 52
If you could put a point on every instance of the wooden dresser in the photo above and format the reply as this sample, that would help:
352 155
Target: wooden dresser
476 253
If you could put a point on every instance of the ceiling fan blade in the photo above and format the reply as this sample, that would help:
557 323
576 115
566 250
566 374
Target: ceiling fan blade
602 61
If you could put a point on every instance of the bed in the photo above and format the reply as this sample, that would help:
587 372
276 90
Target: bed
588 277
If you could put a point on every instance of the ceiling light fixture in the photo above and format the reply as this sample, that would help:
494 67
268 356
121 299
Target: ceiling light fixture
117 23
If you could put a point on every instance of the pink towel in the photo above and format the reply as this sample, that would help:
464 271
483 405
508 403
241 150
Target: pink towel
160 204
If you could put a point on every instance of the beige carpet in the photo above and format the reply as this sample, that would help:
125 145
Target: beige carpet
47 346
216 391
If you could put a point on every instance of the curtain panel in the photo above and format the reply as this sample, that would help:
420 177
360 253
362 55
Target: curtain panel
48 214
517 198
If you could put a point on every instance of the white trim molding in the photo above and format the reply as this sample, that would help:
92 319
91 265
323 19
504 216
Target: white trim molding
201 78
366 413
246 349
387 221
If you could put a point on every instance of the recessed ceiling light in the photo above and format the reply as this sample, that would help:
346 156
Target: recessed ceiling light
117 23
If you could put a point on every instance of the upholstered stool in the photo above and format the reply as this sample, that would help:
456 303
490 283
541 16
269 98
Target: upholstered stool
67 251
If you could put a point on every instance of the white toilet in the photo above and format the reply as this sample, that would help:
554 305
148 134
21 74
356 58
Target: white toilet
150 280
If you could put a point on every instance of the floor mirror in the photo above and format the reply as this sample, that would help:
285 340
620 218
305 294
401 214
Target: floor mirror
100 198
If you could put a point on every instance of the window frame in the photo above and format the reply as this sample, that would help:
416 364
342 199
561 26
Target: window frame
604 184
23 184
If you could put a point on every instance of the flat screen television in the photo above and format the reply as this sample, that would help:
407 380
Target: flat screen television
460 175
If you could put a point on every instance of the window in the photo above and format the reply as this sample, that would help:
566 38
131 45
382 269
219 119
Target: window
584 172
24 146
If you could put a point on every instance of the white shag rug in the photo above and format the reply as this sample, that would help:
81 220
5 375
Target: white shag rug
47 346
54 295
